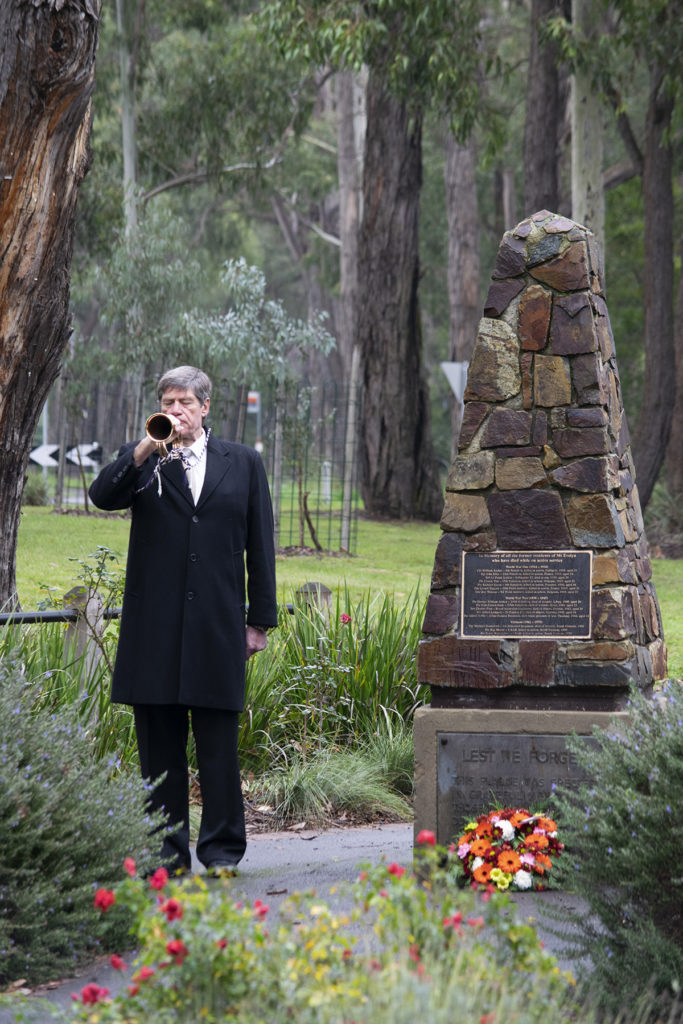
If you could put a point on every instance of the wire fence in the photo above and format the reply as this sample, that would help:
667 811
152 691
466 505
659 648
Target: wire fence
307 436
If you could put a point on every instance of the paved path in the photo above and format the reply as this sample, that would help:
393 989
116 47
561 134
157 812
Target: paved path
281 863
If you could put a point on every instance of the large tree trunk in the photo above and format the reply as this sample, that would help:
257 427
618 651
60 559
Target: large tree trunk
674 454
462 212
588 194
659 384
350 91
544 117
47 59
399 476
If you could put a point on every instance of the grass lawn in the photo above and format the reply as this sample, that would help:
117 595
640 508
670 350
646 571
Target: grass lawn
391 557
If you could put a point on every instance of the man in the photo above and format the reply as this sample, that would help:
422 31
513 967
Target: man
196 513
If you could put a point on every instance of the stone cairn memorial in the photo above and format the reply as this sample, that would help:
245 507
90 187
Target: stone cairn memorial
542 609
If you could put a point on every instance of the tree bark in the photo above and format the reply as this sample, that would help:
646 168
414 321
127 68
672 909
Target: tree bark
674 454
462 212
350 90
399 476
588 195
659 384
47 59
544 116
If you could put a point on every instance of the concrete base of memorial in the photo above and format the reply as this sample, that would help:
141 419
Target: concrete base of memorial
470 761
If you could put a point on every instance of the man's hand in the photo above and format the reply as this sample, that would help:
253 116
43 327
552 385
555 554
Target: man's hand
256 640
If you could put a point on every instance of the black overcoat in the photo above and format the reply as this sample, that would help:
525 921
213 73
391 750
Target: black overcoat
183 621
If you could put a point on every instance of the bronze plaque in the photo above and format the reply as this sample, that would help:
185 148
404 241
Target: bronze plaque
479 772
514 594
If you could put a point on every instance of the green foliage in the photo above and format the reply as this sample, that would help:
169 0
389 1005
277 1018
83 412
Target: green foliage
205 956
66 823
256 337
332 783
332 680
622 854
35 489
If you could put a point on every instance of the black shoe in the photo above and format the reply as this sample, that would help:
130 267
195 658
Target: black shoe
221 869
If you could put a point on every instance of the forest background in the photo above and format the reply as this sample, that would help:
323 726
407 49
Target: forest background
294 190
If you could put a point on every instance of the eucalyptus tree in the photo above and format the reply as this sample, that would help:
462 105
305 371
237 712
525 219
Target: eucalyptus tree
644 36
418 53
47 60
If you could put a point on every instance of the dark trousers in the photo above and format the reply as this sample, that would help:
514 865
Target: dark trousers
162 732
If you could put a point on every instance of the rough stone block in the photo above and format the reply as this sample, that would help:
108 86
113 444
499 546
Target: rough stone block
494 373
441 613
547 247
590 416
537 662
552 381
572 330
471 472
526 363
574 441
529 520
566 273
446 572
599 674
500 295
472 664
659 659
612 614
520 474
601 650
505 427
613 567
473 416
588 379
535 304
539 434
511 258
589 474
594 522
464 512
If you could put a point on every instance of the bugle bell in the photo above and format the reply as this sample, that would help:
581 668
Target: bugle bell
160 428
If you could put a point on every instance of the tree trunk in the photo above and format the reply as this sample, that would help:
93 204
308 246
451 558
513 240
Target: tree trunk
544 115
464 303
674 454
350 89
588 195
399 476
659 384
47 60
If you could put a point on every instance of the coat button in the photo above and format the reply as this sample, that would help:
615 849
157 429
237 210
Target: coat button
190 595
195 519
194 558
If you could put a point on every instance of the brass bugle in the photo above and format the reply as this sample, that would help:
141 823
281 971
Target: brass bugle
160 428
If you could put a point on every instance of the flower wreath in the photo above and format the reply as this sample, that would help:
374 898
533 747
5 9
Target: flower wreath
509 849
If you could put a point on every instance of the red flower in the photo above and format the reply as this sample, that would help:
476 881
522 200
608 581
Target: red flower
173 909
130 866
396 869
117 962
260 909
91 994
104 898
159 878
426 838
221 943
177 949
144 973
344 618
475 922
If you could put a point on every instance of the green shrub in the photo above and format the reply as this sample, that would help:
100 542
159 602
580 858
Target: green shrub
67 821
35 489
622 854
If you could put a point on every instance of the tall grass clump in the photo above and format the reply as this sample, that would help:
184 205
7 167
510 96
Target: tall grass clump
67 821
623 853
332 677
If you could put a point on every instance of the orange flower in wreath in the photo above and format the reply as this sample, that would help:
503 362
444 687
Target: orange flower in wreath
518 817
484 828
482 874
544 860
547 824
480 847
509 861
537 841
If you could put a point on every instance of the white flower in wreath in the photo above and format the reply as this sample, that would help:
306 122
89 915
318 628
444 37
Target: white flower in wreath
522 879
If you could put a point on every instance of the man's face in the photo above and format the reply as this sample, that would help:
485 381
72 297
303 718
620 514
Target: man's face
185 407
